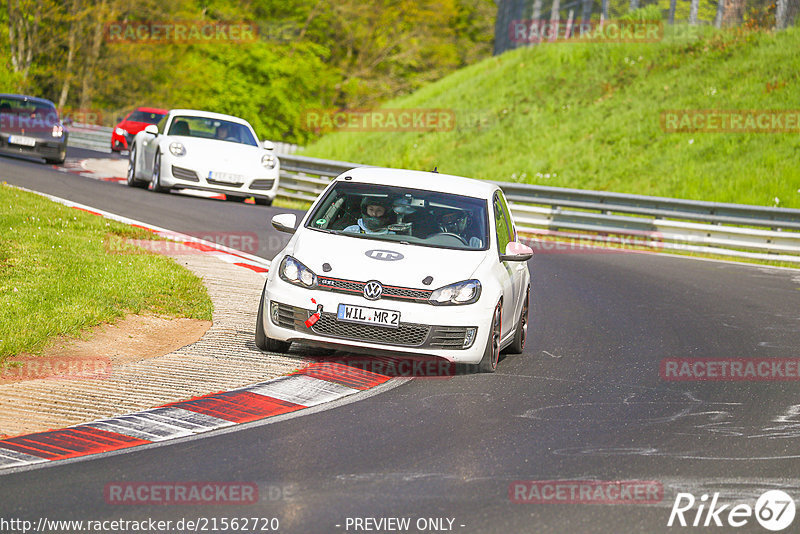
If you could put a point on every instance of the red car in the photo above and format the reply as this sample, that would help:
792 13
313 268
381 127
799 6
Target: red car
136 121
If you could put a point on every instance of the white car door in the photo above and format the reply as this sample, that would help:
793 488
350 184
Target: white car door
149 145
519 268
505 271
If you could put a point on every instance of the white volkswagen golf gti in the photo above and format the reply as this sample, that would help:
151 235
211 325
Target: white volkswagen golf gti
191 149
409 262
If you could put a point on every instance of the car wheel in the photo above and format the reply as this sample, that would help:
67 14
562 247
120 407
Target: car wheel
156 181
57 161
518 344
131 176
263 201
491 355
262 341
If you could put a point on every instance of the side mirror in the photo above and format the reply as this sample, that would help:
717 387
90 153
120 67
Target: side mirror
152 129
268 145
285 222
517 252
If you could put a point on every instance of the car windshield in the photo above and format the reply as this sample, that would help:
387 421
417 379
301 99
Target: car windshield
149 117
206 128
23 112
391 213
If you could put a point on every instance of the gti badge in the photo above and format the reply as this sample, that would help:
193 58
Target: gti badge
383 255
373 290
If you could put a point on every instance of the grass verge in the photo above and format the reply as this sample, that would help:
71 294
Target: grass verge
63 270
588 116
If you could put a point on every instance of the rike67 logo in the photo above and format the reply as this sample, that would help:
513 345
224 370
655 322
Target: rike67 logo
774 510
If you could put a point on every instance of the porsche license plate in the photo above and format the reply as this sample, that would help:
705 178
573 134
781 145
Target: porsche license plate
226 177
364 315
21 140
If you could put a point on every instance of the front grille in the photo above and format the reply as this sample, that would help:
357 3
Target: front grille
289 315
389 292
220 182
448 337
262 184
407 334
184 174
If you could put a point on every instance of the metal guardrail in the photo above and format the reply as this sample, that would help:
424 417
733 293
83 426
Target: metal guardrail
92 137
579 215
622 220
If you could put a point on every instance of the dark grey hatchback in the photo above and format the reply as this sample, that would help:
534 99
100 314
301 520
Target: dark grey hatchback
30 126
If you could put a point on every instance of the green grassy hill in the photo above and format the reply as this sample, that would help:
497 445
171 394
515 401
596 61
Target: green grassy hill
587 115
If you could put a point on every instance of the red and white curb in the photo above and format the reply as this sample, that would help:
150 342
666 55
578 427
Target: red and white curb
318 383
226 254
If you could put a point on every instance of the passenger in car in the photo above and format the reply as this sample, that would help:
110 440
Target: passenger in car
375 217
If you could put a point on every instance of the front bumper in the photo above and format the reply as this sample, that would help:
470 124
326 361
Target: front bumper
424 329
48 148
260 184
121 142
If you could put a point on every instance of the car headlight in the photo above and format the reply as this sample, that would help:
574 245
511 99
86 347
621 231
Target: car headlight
177 149
58 130
269 161
465 292
296 273
119 131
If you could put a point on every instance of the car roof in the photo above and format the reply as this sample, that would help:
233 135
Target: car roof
208 115
152 110
27 98
428 181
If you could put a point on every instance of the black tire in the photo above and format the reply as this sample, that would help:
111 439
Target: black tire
263 201
235 198
156 180
491 355
262 341
130 178
57 161
521 334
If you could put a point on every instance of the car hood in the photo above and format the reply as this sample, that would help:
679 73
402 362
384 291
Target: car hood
348 259
221 152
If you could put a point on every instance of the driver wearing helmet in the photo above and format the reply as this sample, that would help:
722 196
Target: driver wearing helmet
375 216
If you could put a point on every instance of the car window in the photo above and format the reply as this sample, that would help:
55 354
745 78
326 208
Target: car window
162 124
503 229
206 128
392 213
145 116
18 113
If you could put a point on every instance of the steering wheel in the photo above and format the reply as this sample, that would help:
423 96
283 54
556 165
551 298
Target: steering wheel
451 235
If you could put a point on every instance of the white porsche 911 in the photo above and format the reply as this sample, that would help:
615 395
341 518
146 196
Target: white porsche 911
409 262
190 149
